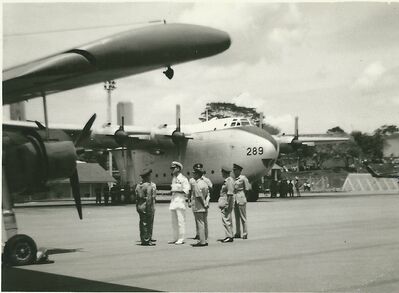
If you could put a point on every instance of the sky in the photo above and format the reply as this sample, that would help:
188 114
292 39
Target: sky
331 64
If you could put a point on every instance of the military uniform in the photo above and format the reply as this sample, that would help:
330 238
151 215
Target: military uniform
227 204
241 184
180 189
199 192
145 205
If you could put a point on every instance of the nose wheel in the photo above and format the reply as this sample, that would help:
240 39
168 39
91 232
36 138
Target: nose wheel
20 250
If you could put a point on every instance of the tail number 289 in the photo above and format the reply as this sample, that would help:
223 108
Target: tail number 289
254 151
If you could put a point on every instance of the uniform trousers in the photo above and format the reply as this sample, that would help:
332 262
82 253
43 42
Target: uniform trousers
178 224
227 217
206 225
146 225
240 212
200 218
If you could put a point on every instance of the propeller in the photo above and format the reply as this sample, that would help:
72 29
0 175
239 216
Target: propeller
74 179
178 137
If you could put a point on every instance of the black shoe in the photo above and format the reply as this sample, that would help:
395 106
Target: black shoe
237 236
153 240
147 244
227 239
199 244
196 237
245 237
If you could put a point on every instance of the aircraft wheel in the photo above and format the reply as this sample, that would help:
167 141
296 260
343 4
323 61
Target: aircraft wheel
215 193
20 250
253 194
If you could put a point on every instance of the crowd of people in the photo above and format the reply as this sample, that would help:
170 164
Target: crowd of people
286 187
194 193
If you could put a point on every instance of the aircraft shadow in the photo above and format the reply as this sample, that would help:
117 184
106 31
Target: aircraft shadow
16 279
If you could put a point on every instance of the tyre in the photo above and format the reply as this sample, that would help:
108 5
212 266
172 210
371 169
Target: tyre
20 250
215 193
253 194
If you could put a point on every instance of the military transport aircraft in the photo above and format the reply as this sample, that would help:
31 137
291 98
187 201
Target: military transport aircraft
31 156
374 173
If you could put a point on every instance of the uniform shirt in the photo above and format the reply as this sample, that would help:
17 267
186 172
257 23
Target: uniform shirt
199 189
241 184
146 193
180 189
227 187
210 185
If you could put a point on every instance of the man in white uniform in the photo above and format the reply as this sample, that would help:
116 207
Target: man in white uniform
180 191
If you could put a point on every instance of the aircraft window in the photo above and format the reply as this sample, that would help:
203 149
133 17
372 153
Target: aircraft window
235 119
156 175
164 175
225 124
188 173
238 123
212 172
233 124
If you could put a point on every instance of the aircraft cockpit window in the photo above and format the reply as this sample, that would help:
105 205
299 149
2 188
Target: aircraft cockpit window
233 124
245 122
238 123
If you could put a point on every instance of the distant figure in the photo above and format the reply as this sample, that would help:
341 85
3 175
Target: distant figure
197 201
106 194
241 185
283 188
290 188
180 189
273 188
146 192
297 186
98 195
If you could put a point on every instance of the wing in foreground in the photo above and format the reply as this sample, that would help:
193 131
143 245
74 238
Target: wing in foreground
117 56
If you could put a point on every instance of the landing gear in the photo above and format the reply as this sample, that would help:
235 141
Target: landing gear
253 194
20 250
215 193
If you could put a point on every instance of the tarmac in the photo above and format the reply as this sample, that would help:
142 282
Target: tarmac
335 242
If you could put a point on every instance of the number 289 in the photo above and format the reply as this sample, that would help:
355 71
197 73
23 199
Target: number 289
254 151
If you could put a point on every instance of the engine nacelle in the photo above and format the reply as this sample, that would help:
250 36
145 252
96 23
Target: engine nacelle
29 162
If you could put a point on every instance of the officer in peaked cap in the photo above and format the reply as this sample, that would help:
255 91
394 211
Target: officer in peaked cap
197 201
175 164
199 166
180 190
237 167
226 203
241 185
146 192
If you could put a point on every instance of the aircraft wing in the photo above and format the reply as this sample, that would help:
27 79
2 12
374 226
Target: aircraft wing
131 52
288 143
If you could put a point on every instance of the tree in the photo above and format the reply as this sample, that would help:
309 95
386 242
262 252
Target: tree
223 110
336 130
386 130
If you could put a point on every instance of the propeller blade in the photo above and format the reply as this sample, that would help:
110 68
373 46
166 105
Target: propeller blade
86 130
296 128
74 180
178 118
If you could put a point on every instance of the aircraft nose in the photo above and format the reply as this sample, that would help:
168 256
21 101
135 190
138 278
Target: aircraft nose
216 39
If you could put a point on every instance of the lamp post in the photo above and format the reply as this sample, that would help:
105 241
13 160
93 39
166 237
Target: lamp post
109 86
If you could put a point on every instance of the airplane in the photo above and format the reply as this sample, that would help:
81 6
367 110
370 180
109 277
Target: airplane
376 174
33 156
213 143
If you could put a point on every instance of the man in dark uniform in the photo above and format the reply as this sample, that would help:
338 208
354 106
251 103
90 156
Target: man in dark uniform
145 203
241 185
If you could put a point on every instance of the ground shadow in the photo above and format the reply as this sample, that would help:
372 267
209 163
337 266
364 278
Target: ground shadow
17 279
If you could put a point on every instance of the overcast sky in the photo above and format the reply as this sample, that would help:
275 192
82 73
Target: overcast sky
332 64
